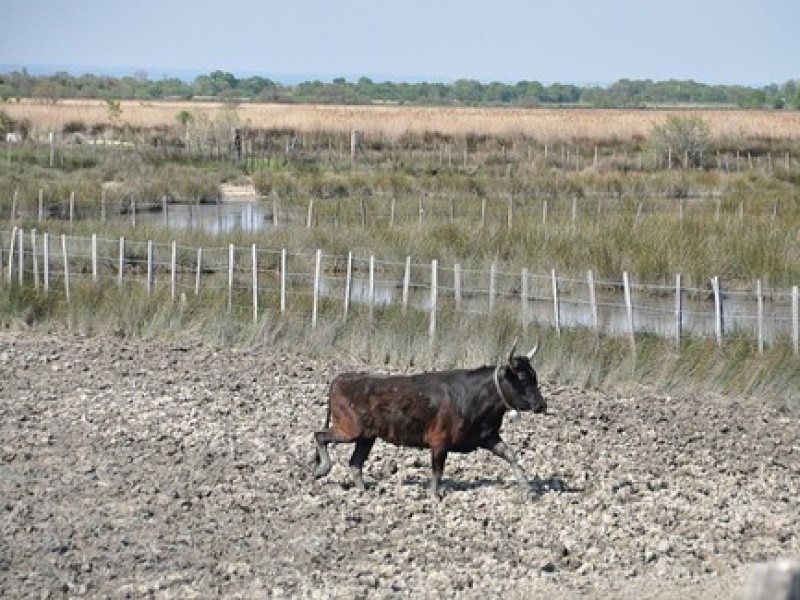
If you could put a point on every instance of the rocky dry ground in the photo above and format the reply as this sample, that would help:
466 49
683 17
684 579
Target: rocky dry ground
167 469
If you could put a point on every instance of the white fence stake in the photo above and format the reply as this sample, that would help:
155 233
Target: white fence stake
760 304
629 308
121 267
173 271
524 298
719 324
10 274
348 282
434 297
406 282
35 258
231 259
795 320
21 255
94 258
492 284
149 267
556 303
46 261
198 271
317 275
593 301
678 311
371 296
283 280
255 284
66 267
457 285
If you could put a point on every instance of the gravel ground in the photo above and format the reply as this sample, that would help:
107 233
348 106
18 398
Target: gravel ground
134 468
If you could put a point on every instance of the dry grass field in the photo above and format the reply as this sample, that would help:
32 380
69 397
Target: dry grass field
544 124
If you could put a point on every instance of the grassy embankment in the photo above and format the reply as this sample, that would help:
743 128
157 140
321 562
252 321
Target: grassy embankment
626 210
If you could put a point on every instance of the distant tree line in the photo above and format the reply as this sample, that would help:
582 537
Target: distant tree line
221 85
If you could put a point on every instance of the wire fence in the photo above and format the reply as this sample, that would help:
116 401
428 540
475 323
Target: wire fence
256 281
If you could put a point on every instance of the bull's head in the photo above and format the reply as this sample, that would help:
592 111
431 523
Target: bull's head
521 375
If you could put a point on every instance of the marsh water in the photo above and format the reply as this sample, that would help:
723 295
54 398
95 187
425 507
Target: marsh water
651 314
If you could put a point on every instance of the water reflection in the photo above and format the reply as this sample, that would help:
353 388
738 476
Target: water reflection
656 315
220 218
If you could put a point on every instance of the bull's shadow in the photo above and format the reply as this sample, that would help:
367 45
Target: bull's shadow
536 485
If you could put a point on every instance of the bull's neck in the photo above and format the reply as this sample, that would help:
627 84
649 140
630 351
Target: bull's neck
499 388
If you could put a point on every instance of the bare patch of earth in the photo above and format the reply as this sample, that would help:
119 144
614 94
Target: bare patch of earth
239 192
163 468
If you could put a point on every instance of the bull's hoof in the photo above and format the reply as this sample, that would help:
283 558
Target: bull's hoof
321 470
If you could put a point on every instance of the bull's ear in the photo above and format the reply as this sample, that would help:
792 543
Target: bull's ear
533 351
513 349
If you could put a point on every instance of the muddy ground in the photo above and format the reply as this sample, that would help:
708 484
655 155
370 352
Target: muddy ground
166 469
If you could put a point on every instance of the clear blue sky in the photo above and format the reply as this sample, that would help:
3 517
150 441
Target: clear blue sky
747 42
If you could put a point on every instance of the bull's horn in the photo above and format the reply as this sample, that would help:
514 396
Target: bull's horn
533 351
513 349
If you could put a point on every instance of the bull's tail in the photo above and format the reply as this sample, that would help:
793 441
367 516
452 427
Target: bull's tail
328 415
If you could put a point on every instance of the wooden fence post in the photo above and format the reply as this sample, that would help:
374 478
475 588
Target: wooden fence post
71 207
41 206
255 284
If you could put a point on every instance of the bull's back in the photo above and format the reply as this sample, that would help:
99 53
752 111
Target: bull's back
404 410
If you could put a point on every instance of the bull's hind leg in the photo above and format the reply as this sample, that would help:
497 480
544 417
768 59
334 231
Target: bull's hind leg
499 448
438 458
360 454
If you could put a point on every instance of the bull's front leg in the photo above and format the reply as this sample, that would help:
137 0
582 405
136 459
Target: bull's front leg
499 448
360 454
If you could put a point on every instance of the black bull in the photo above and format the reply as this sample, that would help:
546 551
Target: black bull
446 411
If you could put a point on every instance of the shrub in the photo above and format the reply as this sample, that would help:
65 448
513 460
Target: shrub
684 138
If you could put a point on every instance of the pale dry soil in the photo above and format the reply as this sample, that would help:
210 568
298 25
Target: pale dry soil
179 469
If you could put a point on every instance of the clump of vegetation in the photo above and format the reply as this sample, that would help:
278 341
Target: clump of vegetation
682 140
